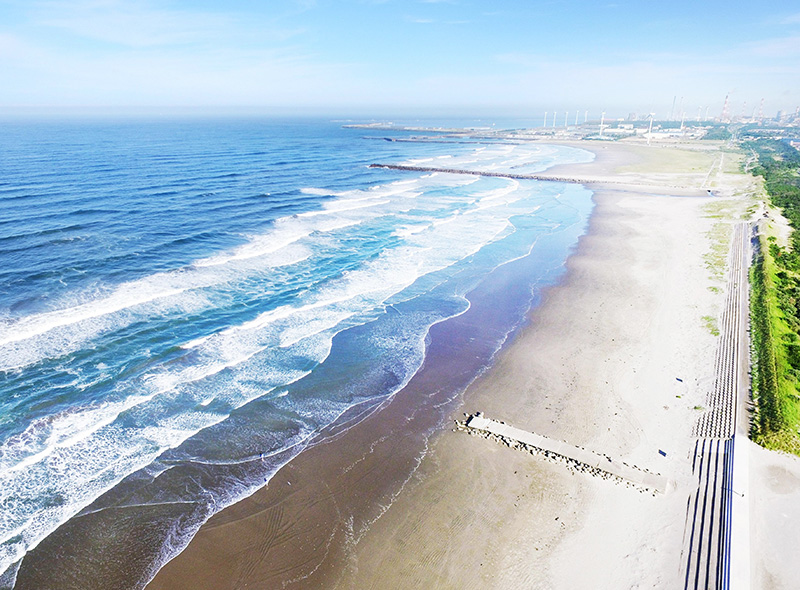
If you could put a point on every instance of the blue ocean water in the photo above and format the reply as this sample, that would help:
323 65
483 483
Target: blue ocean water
215 292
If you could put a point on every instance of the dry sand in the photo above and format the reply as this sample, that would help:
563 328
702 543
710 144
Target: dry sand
774 515
614 359
596 367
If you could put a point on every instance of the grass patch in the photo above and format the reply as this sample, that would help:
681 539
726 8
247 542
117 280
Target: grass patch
716 258
776 358
726 211
710 323
672 160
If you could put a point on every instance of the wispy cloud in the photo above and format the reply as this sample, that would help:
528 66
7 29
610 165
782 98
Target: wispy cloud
648 80
300 52
208 76
792 19
131 25
306 4
157 55
145 25
526 60
778 48
433 21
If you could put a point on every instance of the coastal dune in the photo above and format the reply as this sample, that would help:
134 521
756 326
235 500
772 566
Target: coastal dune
615 359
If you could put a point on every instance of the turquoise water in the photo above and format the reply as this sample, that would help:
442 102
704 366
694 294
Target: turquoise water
184 295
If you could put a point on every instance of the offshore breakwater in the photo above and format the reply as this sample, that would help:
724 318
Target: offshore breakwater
488 173
618 181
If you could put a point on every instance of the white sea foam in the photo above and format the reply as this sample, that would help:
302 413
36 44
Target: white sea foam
125 296
77 454
49 335
169 289
321 192
87 445
349 206
410 230
64 330
355 293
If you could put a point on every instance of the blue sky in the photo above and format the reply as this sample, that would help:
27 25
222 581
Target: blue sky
390 56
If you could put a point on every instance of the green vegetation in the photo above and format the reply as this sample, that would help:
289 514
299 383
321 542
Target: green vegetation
710 322
719 132
724 212
716 259
775 305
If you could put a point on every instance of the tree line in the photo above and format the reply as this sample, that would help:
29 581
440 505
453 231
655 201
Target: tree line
775 304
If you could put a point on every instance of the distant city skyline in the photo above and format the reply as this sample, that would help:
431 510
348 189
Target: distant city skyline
370 57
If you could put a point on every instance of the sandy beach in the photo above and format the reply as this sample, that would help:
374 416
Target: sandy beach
617 358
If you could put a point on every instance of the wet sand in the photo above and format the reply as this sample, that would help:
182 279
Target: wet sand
399 502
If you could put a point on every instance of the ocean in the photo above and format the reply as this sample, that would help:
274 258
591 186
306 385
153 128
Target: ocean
185 305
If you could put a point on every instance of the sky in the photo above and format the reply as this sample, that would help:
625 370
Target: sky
372 57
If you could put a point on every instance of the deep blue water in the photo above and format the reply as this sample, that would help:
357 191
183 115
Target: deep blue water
157 278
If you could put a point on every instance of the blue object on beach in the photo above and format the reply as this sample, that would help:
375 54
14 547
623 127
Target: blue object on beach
662 453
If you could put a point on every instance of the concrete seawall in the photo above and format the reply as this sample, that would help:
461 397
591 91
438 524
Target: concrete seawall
617 182
594 463
488 173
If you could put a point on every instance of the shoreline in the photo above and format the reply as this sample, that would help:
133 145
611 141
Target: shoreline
384 449
458 507
505 530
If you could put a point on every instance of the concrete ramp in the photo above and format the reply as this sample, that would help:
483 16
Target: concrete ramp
590 461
